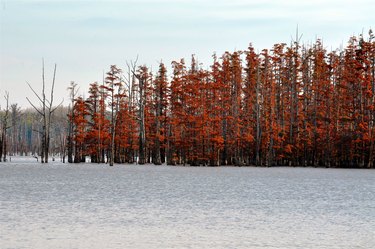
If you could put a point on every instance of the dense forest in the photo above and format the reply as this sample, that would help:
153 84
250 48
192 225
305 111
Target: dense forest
296 105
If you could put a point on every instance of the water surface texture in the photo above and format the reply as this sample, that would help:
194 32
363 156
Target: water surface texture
97 206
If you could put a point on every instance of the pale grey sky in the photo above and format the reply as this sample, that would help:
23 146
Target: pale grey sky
86 37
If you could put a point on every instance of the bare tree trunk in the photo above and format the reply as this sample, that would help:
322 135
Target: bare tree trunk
142 137
70 136
46 113
4 129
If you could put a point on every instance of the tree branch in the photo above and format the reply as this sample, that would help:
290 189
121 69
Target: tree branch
36 109
34 92
54 109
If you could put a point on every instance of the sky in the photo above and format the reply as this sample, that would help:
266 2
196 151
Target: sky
85 37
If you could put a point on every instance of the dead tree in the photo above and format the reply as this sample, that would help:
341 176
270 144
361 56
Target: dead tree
4 128
73 93
45 110
142 77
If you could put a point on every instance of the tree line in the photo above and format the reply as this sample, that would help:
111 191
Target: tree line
21 132
294 105
291 105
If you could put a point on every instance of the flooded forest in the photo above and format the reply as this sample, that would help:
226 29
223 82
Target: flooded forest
292 105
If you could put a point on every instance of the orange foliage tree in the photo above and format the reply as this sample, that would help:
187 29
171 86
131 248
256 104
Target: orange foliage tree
291 105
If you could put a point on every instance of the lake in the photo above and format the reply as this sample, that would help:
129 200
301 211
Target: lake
131 206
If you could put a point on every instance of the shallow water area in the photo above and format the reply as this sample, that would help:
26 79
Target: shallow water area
131 206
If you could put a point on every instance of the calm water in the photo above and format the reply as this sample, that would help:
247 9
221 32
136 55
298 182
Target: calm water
95 206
